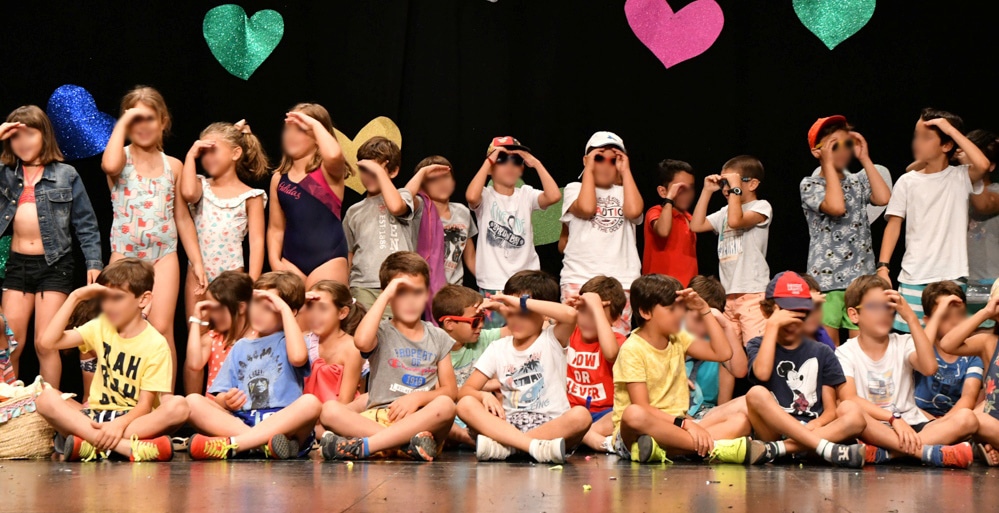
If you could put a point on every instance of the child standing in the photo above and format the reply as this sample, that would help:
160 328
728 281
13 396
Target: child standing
44 203
743 229
434 179
593 348
879 367
131 405
934 204
651 397
835 205
381 224
224 208
336 363
600 217
258 401
958 380
793 405
411 389
217 323
671 245
535 416
309 190
149 215
506 237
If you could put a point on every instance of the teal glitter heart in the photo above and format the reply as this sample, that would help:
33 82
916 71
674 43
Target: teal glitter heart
239 43
834 21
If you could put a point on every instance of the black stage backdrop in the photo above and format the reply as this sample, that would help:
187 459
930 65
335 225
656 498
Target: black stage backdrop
454 73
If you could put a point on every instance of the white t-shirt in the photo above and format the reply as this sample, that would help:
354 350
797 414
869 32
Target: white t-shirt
935 209
506 237
742 254
888 382
531 380
603 245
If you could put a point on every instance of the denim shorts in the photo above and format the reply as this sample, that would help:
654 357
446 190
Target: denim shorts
31 274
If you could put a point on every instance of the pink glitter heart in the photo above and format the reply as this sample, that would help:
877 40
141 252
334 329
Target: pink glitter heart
675 36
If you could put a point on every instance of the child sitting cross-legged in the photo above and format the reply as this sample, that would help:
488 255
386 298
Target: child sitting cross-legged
793 405
411 389
535 416
258 402
130 408
651 396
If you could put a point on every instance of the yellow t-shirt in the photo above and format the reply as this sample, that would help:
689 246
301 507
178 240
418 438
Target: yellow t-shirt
663 372
125 366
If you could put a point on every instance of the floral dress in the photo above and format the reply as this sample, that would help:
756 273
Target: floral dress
222 225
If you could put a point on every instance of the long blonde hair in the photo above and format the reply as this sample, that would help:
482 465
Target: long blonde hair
252 167
154 100
320 114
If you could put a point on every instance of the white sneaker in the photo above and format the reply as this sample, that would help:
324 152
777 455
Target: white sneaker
487 449
608 444
548 451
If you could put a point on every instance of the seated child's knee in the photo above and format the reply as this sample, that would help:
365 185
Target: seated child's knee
757 395
967 419
467 402
634 416
47 400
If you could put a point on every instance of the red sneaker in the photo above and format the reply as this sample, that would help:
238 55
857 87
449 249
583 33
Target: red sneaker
154 449
211 448
78 449
958 455
870 453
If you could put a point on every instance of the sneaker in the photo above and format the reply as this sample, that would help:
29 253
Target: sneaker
211 448
154 449
341 448
548 451
646 450
849 456
761 456
957 456
422 447
739 451
78 449
607 445
280 447
487 449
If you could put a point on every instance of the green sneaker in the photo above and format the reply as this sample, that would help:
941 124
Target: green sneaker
740 451
646 450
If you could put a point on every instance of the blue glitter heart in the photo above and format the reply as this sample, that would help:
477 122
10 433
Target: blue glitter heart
81 130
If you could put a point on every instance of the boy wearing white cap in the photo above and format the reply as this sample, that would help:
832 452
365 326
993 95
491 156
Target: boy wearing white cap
599 215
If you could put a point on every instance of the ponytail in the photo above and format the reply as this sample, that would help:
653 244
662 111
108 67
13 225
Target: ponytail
342 299
252 167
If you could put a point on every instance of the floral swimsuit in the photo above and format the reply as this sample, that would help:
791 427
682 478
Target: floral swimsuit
143 213
222 225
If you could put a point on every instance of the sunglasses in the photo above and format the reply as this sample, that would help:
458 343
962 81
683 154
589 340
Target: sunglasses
849 143
512 158
600 158
876 307
476 321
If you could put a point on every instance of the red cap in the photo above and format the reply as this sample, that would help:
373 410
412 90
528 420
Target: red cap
506 142
790 292
813 132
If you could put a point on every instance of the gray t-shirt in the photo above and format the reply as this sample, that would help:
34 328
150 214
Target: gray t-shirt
983 244
457 231
400 365
841 247
373 234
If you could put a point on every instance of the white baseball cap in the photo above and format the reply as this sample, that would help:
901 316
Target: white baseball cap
604 139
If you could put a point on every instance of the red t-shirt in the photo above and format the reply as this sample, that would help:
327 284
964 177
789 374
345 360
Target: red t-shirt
590 374
675 255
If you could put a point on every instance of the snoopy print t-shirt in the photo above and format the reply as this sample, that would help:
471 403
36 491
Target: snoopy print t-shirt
532 380
798 376
260 368
400 365
506 236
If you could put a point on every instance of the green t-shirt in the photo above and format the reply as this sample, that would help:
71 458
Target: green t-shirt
464 359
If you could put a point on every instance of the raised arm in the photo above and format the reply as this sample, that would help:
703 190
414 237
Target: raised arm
699 219
880 191
563 315
298 352
663 226
634 205
833 203
329 149
113 160
979 162
737 219
585 206
199 345
605 332
190 185
551 193
55 337
924 360
473 195
718 348
961 339
393 200
763 364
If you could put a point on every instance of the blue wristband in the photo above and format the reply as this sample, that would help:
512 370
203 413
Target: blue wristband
523 304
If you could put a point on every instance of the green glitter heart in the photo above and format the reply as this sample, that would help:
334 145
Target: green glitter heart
834 21
241 44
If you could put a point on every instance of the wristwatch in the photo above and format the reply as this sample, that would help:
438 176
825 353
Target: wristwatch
669 202
894 416
882 264
678 422
735 190
195 320
523 304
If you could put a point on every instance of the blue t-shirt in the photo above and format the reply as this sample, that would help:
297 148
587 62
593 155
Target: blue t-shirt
260 368
705 393
799 375
938 393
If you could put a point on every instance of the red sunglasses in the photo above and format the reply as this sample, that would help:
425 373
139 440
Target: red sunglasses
476 321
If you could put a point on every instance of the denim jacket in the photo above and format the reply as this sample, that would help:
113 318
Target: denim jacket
62 202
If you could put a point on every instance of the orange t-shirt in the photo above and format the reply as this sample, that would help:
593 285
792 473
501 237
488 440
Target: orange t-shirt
675 255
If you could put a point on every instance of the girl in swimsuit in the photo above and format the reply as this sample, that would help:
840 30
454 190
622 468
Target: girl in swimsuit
148 213
42 204
224 208
218 322
305 233
333 315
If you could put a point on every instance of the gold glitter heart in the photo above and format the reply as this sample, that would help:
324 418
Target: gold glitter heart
380 126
